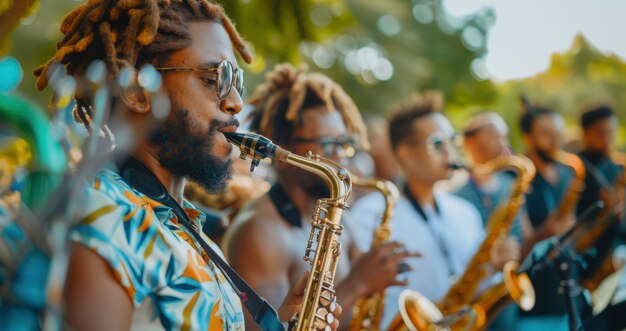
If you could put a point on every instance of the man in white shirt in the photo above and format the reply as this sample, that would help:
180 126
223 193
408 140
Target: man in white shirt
446 229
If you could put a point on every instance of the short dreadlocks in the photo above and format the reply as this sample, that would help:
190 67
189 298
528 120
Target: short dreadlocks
129 33
288 91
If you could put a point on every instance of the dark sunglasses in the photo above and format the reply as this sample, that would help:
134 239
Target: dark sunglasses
227 76
437 143
331 145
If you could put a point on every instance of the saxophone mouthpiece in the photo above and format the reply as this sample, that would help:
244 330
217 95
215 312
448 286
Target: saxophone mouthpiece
253 146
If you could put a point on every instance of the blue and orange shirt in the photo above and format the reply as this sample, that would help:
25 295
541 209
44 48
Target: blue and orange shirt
169 279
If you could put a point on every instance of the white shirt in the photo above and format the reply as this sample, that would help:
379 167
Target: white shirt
448 240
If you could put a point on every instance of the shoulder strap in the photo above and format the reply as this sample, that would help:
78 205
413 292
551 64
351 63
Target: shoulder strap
141 179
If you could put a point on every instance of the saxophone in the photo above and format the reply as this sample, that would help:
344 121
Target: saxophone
603 280
568 203
500 295
417 312
319 295
368 312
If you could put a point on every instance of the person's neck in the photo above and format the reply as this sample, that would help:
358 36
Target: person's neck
299 197
595 152
175 185
540 164
422 192
480 179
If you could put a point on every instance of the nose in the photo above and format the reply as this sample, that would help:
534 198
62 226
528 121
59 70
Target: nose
233 103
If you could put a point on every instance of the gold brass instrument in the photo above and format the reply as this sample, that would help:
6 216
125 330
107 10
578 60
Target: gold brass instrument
418 313
496 298
568 203
604 282
319 296
368 312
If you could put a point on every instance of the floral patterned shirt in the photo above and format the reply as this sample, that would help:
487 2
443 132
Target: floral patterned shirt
156 260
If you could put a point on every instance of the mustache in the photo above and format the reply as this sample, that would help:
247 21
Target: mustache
219 124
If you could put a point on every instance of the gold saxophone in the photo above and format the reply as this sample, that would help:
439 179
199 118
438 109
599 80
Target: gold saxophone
603 283
319 295
568 203
499 296
368 312
419 313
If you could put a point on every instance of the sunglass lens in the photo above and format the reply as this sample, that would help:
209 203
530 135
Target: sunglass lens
225 79
239 81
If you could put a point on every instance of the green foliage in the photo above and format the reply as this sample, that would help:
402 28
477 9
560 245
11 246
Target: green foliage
427 49
426 52
33 42
576 80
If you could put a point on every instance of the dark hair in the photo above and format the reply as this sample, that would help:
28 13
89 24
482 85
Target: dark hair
279 102
530 115
129 33
594 115
404 115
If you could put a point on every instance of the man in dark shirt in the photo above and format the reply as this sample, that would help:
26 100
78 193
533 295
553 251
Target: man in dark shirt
542 131
604 175
604 182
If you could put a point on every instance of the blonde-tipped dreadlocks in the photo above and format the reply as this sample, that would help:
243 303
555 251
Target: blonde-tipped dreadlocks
288 91
129 33
405 113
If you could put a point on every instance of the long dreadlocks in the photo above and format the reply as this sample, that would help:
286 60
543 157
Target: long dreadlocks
129 33
288 91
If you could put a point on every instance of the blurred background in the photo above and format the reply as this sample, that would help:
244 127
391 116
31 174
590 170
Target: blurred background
483 54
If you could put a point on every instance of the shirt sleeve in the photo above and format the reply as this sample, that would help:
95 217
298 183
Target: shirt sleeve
104 226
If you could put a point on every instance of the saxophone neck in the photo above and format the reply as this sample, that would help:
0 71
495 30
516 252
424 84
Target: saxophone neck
257 147
335 176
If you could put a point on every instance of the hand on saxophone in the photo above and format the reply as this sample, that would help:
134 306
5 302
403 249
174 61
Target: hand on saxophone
294 299
378 269
505 249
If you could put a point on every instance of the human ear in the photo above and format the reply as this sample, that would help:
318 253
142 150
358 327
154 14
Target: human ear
136 99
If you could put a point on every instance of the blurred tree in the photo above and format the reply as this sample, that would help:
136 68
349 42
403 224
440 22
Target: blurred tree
427 49
380 51
276 29
33 42
10 14
575 80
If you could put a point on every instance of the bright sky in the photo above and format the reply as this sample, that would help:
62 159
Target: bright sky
527 32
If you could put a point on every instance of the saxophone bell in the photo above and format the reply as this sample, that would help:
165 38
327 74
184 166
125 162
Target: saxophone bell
518 286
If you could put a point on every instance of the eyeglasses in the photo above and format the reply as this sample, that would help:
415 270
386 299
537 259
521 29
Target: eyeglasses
227 76
437 143
331 145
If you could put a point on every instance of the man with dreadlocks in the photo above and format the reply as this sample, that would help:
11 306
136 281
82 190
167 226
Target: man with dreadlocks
303 111
135 257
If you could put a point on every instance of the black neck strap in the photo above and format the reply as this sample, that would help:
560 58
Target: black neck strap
284 206
141 179
416 204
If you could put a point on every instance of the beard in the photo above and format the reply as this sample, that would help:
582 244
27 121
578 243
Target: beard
545 156
189 153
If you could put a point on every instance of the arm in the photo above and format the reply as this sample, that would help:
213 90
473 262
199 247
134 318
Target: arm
257 251
551 227
93 297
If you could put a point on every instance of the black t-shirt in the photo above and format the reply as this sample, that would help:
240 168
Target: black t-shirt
601 172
